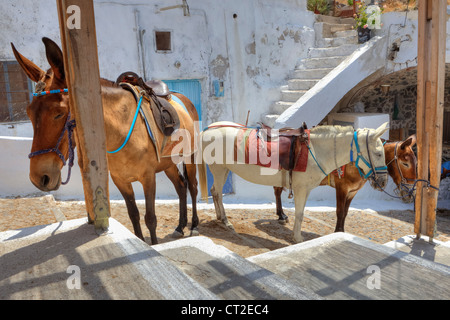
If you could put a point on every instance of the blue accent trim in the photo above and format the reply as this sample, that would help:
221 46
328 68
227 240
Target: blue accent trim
361 173
43 93
131 128
316 160
177 100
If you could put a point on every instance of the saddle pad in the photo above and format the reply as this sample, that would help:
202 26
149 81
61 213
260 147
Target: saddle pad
251 148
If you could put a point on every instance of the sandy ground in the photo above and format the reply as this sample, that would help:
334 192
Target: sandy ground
257 228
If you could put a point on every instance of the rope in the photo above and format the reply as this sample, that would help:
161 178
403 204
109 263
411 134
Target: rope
131 128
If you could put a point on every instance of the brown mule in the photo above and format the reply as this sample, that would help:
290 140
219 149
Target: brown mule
137 161
402 167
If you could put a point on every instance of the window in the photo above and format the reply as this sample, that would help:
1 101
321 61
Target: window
15 92
446 133
163 41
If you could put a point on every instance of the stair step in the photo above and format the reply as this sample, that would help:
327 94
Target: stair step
345 33
269 119
301 84
338 41
340 27
339 266
437 251
343 50
226 274
318 73
334 20
292 95
280 106
328 62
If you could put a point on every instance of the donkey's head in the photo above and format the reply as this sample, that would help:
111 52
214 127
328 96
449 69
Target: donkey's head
370 159
48 114
402 166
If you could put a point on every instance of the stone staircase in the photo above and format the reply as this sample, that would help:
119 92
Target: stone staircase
335 41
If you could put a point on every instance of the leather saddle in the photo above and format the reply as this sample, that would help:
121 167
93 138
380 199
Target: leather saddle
158 94
290 142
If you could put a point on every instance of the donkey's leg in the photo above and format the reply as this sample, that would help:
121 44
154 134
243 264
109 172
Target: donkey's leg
126 189
300 196
181 188
149 185
191 171
282 218
341 199
220 175
348 201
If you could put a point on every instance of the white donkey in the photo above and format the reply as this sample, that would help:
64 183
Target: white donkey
329 148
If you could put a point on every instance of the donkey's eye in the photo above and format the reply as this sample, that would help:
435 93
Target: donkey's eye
405 164
59 116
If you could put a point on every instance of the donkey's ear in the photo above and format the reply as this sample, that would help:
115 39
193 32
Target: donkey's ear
55 58
32 71
411 141
381 129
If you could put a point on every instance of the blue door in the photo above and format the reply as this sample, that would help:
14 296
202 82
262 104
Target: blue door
192 89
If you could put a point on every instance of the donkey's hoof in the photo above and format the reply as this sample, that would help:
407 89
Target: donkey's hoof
177 235
194 233
283 221
230 226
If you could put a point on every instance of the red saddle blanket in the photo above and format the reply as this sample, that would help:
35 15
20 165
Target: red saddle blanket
252 147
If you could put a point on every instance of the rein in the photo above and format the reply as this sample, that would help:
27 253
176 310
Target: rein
373 170
68 126
404 181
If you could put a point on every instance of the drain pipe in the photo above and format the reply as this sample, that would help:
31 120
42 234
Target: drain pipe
185 7
140 44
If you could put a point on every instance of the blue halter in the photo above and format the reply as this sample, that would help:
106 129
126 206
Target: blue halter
373 170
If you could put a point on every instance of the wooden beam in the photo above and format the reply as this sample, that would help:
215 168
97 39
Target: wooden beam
79 45
430 109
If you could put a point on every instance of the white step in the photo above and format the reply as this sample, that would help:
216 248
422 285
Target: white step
292 95
280 106
301 84
69 260
314 63
226 274
345 33
338 41
343 50
318 73
437 251
341 266
269 119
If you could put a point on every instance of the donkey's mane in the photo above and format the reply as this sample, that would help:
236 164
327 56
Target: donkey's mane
331 129
108 83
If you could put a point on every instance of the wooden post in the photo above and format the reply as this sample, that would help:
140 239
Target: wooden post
430 108
79 45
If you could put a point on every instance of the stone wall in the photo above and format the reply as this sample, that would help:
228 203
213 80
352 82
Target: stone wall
400 103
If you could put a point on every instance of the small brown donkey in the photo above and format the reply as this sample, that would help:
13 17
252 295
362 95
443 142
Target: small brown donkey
137 161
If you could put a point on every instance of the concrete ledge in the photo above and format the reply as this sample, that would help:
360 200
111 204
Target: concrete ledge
437 251
227 274
342 266
67 260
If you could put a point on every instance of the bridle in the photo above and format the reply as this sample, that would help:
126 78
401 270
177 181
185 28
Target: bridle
404 182
373 170
68 126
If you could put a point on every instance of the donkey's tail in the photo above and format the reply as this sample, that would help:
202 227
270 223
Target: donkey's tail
201 167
